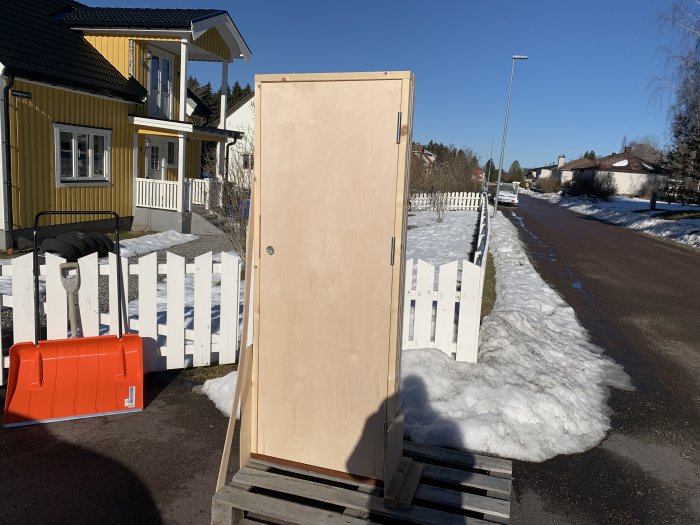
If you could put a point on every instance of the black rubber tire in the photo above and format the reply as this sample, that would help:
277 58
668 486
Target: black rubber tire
75 241
87 239
69 252
105 242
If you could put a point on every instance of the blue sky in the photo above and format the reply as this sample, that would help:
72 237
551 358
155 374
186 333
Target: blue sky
585 85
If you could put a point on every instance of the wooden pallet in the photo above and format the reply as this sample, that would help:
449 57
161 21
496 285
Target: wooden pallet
455 488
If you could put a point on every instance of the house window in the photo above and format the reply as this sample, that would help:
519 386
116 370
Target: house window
171 157
247 161
160 87
82 154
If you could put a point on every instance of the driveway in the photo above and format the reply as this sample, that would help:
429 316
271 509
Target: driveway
155 467
639 297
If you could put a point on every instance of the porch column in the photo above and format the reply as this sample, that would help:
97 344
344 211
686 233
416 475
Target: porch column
181 158
221 146
183 79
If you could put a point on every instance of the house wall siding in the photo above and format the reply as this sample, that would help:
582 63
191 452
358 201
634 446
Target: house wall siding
193 150
213 42
33 153
116 49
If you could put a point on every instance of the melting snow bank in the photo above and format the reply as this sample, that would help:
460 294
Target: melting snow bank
540 388
153 243
684 231
221 390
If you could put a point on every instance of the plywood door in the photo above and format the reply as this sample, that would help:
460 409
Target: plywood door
328 181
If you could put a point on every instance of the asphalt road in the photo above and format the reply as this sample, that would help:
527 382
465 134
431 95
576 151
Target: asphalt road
639 297
155 467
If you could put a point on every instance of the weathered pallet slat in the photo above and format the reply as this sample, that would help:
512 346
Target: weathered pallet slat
265 492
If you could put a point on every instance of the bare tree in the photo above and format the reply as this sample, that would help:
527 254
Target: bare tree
231 183
452 171
648 148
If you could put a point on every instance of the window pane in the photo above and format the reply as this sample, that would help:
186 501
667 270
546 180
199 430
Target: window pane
154 74
171 153
66 154
82 153
98 155
155 158
165 77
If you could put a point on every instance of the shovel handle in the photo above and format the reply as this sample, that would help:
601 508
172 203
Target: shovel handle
37 319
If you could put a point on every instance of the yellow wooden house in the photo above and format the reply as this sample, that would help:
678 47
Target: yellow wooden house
95 113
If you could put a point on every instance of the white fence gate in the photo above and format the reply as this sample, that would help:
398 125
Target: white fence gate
448 317
179 317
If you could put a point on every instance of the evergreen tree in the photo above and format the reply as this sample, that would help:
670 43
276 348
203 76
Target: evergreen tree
515 173
490 170
590 155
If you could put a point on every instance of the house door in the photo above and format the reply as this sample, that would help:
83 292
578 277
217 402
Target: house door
160 87
328 204
155 162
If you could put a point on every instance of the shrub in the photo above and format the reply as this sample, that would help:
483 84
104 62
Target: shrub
602 186
549 184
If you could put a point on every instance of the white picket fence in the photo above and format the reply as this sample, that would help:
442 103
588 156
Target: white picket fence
206 192
179 318
448 317
453 201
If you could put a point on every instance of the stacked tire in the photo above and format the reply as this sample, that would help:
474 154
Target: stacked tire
74 245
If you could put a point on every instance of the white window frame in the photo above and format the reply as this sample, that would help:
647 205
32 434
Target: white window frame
156 99
91 179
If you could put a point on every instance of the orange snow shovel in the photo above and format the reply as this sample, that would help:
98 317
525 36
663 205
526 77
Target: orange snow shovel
77 377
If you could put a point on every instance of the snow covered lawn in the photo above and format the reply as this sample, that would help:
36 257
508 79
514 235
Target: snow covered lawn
620 211
540 388
440 243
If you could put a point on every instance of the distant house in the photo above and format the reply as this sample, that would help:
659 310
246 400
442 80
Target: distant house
477 173
632 175
241 117
550 170
94 110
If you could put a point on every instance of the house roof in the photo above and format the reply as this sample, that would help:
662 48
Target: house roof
34 46
579 164
201 109
622 162
137 17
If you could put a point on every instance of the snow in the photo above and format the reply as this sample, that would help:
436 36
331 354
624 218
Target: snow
540 388
648 166
153 243
221 390
621 163
619 211
440 243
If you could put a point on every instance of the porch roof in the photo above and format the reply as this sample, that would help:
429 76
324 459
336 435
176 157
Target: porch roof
175 127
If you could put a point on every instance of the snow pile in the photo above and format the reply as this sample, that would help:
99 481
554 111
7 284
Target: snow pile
153 243
440 243
220 390
684 231
540 387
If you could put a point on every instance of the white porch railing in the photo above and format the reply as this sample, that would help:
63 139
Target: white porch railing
453 201
206 192
448 317
191 319
159 194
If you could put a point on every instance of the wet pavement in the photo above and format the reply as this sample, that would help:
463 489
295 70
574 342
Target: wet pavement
154 467
639 297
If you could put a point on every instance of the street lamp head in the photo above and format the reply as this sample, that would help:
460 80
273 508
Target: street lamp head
519 57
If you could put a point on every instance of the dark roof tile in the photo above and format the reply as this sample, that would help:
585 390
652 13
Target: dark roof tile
35 47
138 17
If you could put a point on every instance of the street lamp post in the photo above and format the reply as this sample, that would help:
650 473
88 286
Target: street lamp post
505 131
